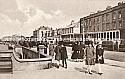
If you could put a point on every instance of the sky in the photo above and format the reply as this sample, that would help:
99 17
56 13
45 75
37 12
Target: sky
23 16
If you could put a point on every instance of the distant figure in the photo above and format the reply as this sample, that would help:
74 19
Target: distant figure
37 45
81 52
51 49
45 49
90 57
99 57
57 50
75 52
64 55
117 45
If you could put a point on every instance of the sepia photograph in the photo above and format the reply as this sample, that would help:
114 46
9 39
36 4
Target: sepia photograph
62 39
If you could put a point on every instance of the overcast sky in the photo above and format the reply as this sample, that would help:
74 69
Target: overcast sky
24 16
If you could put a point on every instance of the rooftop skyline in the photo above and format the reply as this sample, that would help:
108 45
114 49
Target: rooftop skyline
24 16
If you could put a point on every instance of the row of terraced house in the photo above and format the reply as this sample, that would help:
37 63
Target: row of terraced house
70 33
106 25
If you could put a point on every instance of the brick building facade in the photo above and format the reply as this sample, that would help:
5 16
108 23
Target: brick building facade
105 25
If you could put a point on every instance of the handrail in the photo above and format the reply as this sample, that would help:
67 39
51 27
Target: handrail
48 58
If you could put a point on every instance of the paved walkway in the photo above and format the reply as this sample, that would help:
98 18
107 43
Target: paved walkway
113 55
76 70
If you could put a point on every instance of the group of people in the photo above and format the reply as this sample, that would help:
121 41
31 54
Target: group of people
92 55
78 52
60 54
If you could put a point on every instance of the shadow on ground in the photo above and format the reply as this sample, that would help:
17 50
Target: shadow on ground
84 70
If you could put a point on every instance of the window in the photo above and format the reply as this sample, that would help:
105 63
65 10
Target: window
101 35
104 35
114 16
90 22
48 33
98 27
107 35
72 30
68 30
120 24
42 33
94 21
85 23
114 25
107 26
103 27
107 17
102 18
119 14
110 35
98 20
113 34
117 34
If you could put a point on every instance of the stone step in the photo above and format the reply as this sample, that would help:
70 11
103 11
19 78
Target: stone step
5 59
6 70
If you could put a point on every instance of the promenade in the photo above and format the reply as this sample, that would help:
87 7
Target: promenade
76 70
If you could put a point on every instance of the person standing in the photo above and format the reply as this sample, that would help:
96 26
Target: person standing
99 57
46 46
81 52
57 50
90 57
51 50
75 52
64 55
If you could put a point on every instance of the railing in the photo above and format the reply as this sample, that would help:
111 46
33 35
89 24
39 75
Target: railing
37 63
32 58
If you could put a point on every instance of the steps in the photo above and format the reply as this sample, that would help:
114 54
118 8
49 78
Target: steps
6 62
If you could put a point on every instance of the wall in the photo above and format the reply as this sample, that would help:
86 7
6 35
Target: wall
29 54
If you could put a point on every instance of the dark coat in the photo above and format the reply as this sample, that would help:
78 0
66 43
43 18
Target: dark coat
64 53
57 50
81 51
99 53
51 50
75 52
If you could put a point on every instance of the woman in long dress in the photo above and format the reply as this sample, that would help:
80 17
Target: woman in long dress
57 50
75 52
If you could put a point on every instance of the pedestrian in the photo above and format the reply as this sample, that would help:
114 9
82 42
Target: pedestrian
45 49
57 50
64 55
90 57
51 50
81 52
99 57
75 52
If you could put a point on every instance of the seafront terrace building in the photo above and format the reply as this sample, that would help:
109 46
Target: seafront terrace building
71 33
42 33
106 25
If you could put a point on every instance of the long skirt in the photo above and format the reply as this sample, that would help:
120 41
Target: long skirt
81 55
74 55
90 61
58 56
